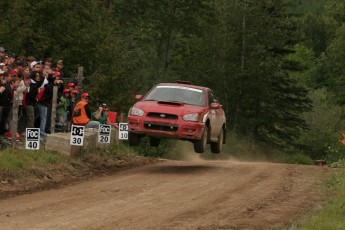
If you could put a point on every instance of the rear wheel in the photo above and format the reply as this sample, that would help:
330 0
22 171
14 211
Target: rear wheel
200 145
154 142
216 147
133 139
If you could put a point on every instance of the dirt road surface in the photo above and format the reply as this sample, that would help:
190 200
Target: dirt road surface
174 195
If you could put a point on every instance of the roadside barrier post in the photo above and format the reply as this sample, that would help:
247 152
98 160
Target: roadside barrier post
53 115
14 122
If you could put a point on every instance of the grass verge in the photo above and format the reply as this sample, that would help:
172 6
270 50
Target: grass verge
331 214
12 160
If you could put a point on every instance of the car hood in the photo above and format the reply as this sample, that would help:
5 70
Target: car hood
168 107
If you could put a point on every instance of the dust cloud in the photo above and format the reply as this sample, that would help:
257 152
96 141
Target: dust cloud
184 151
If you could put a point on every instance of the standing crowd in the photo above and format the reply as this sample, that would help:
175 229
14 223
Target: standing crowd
31 83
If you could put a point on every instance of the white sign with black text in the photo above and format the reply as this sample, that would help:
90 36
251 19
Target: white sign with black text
32 139
123 131
104 132
77 135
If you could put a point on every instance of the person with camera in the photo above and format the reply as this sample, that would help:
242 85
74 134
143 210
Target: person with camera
101 115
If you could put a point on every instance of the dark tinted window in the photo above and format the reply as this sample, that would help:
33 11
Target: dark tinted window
187 95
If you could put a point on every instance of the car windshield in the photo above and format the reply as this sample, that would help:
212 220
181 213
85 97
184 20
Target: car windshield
187 95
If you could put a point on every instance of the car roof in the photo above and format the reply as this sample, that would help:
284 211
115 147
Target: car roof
184 85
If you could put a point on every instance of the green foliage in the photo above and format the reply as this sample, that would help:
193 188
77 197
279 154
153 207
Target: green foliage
14 160
331 214
260 57
303 63
338 164
322 140
299 158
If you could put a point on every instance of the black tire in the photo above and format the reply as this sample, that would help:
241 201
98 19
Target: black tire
133 139
216 147
154 142
200 145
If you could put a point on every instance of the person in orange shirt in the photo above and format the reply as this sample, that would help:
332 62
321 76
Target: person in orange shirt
82 114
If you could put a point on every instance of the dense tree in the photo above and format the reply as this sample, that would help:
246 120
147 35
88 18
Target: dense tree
258 55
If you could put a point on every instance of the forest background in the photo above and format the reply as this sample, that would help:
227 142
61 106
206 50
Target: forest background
277 66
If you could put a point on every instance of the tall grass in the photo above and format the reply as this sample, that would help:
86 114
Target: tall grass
332 214
12 160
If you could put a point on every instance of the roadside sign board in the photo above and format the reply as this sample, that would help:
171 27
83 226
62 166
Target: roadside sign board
77 135
123 131
104 133
32 139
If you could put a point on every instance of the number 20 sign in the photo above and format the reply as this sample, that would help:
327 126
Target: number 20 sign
77 135
104 132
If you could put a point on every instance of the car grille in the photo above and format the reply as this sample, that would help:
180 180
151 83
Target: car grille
161 127
163 116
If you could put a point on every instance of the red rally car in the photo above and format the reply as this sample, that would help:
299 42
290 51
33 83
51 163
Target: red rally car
178 111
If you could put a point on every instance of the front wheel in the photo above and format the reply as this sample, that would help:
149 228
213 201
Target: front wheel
216 147
200 145
133 139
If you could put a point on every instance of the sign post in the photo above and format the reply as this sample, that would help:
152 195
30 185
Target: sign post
32 140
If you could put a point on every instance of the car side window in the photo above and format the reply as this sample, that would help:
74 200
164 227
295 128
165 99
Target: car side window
211 98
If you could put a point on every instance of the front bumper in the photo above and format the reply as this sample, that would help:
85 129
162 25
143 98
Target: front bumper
162 128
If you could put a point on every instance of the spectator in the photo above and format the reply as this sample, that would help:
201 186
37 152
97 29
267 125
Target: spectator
18 69
82 114
72 103
21 91
101 115
36 66
46 70
75 80
8 61
44 102
12 60
2 54
33 83
62 108
14 84
29 60
4 67
48 62
70 86
5 93
59 67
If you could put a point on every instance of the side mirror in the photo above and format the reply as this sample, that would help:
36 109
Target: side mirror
216 105
138 97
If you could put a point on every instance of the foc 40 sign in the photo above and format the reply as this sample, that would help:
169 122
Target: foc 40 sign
32 140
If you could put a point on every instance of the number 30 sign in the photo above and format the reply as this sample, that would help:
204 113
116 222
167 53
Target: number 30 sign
77 135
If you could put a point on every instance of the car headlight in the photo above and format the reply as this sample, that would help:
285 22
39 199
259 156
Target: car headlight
136 111
191 117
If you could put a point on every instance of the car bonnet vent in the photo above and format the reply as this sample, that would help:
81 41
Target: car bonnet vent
170 103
